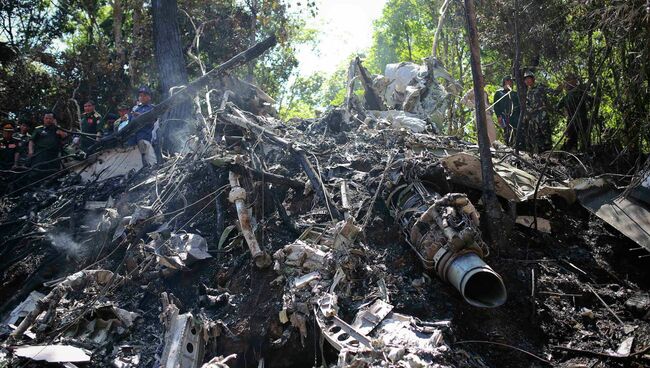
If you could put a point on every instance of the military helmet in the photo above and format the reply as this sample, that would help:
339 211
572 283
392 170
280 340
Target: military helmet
529 73
506 78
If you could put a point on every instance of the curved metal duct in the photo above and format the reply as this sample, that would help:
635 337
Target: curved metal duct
443 231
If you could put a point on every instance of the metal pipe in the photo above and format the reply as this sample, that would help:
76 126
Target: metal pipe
238 197
479 285
443 230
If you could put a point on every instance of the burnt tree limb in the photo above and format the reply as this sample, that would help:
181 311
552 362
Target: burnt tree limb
182 93
492 207
373 101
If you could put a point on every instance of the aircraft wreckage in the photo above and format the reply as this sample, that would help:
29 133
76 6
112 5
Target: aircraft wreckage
352 240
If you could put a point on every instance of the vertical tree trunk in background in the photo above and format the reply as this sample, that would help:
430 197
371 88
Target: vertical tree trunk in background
171 67
135 56
493 210
118 17
521 86
254 7
407 34
167 45
436 36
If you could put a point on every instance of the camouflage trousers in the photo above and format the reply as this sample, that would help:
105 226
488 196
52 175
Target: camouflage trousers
539 134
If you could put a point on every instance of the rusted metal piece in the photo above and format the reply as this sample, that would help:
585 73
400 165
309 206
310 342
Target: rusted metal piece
443 231
238 197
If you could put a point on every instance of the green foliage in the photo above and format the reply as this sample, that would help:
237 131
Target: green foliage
303 98
404 32
81 49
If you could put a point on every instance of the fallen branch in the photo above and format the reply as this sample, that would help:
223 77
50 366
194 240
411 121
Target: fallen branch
605 304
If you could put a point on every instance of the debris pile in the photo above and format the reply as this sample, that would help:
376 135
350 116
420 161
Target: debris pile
349 240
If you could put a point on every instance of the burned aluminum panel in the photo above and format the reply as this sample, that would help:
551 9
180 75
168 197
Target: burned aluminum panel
184 342
626 214
109 164
509 182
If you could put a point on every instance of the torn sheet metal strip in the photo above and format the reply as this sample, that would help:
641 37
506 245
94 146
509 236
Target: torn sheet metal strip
509 182
340 334
626 215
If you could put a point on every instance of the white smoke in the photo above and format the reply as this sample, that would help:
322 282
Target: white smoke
64 243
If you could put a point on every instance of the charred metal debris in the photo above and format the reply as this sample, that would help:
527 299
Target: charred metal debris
352 240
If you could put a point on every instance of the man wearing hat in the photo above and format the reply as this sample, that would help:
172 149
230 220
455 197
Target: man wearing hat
537 126
45 145
91 124
143 136
575 106
506 107
8 148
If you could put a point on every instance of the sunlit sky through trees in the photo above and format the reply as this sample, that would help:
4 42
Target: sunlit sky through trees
344 27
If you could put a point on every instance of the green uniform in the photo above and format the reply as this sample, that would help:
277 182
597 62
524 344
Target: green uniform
8 149
91 123
537 125
578 130
47 146
23 148
508 109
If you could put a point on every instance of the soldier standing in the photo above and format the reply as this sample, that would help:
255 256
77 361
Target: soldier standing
91 124
45 145
8 148
506 107
575 106
22 136
538 129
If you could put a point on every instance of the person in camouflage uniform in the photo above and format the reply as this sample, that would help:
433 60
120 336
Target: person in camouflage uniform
506 107
23 137
537 125
575 104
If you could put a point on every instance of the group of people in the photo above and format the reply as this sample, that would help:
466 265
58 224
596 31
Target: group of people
38 151
536 132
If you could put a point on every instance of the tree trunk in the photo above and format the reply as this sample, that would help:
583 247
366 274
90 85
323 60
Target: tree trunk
436 36
171 69
136 53
493 210
521 86
118 17
407 34
254 7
